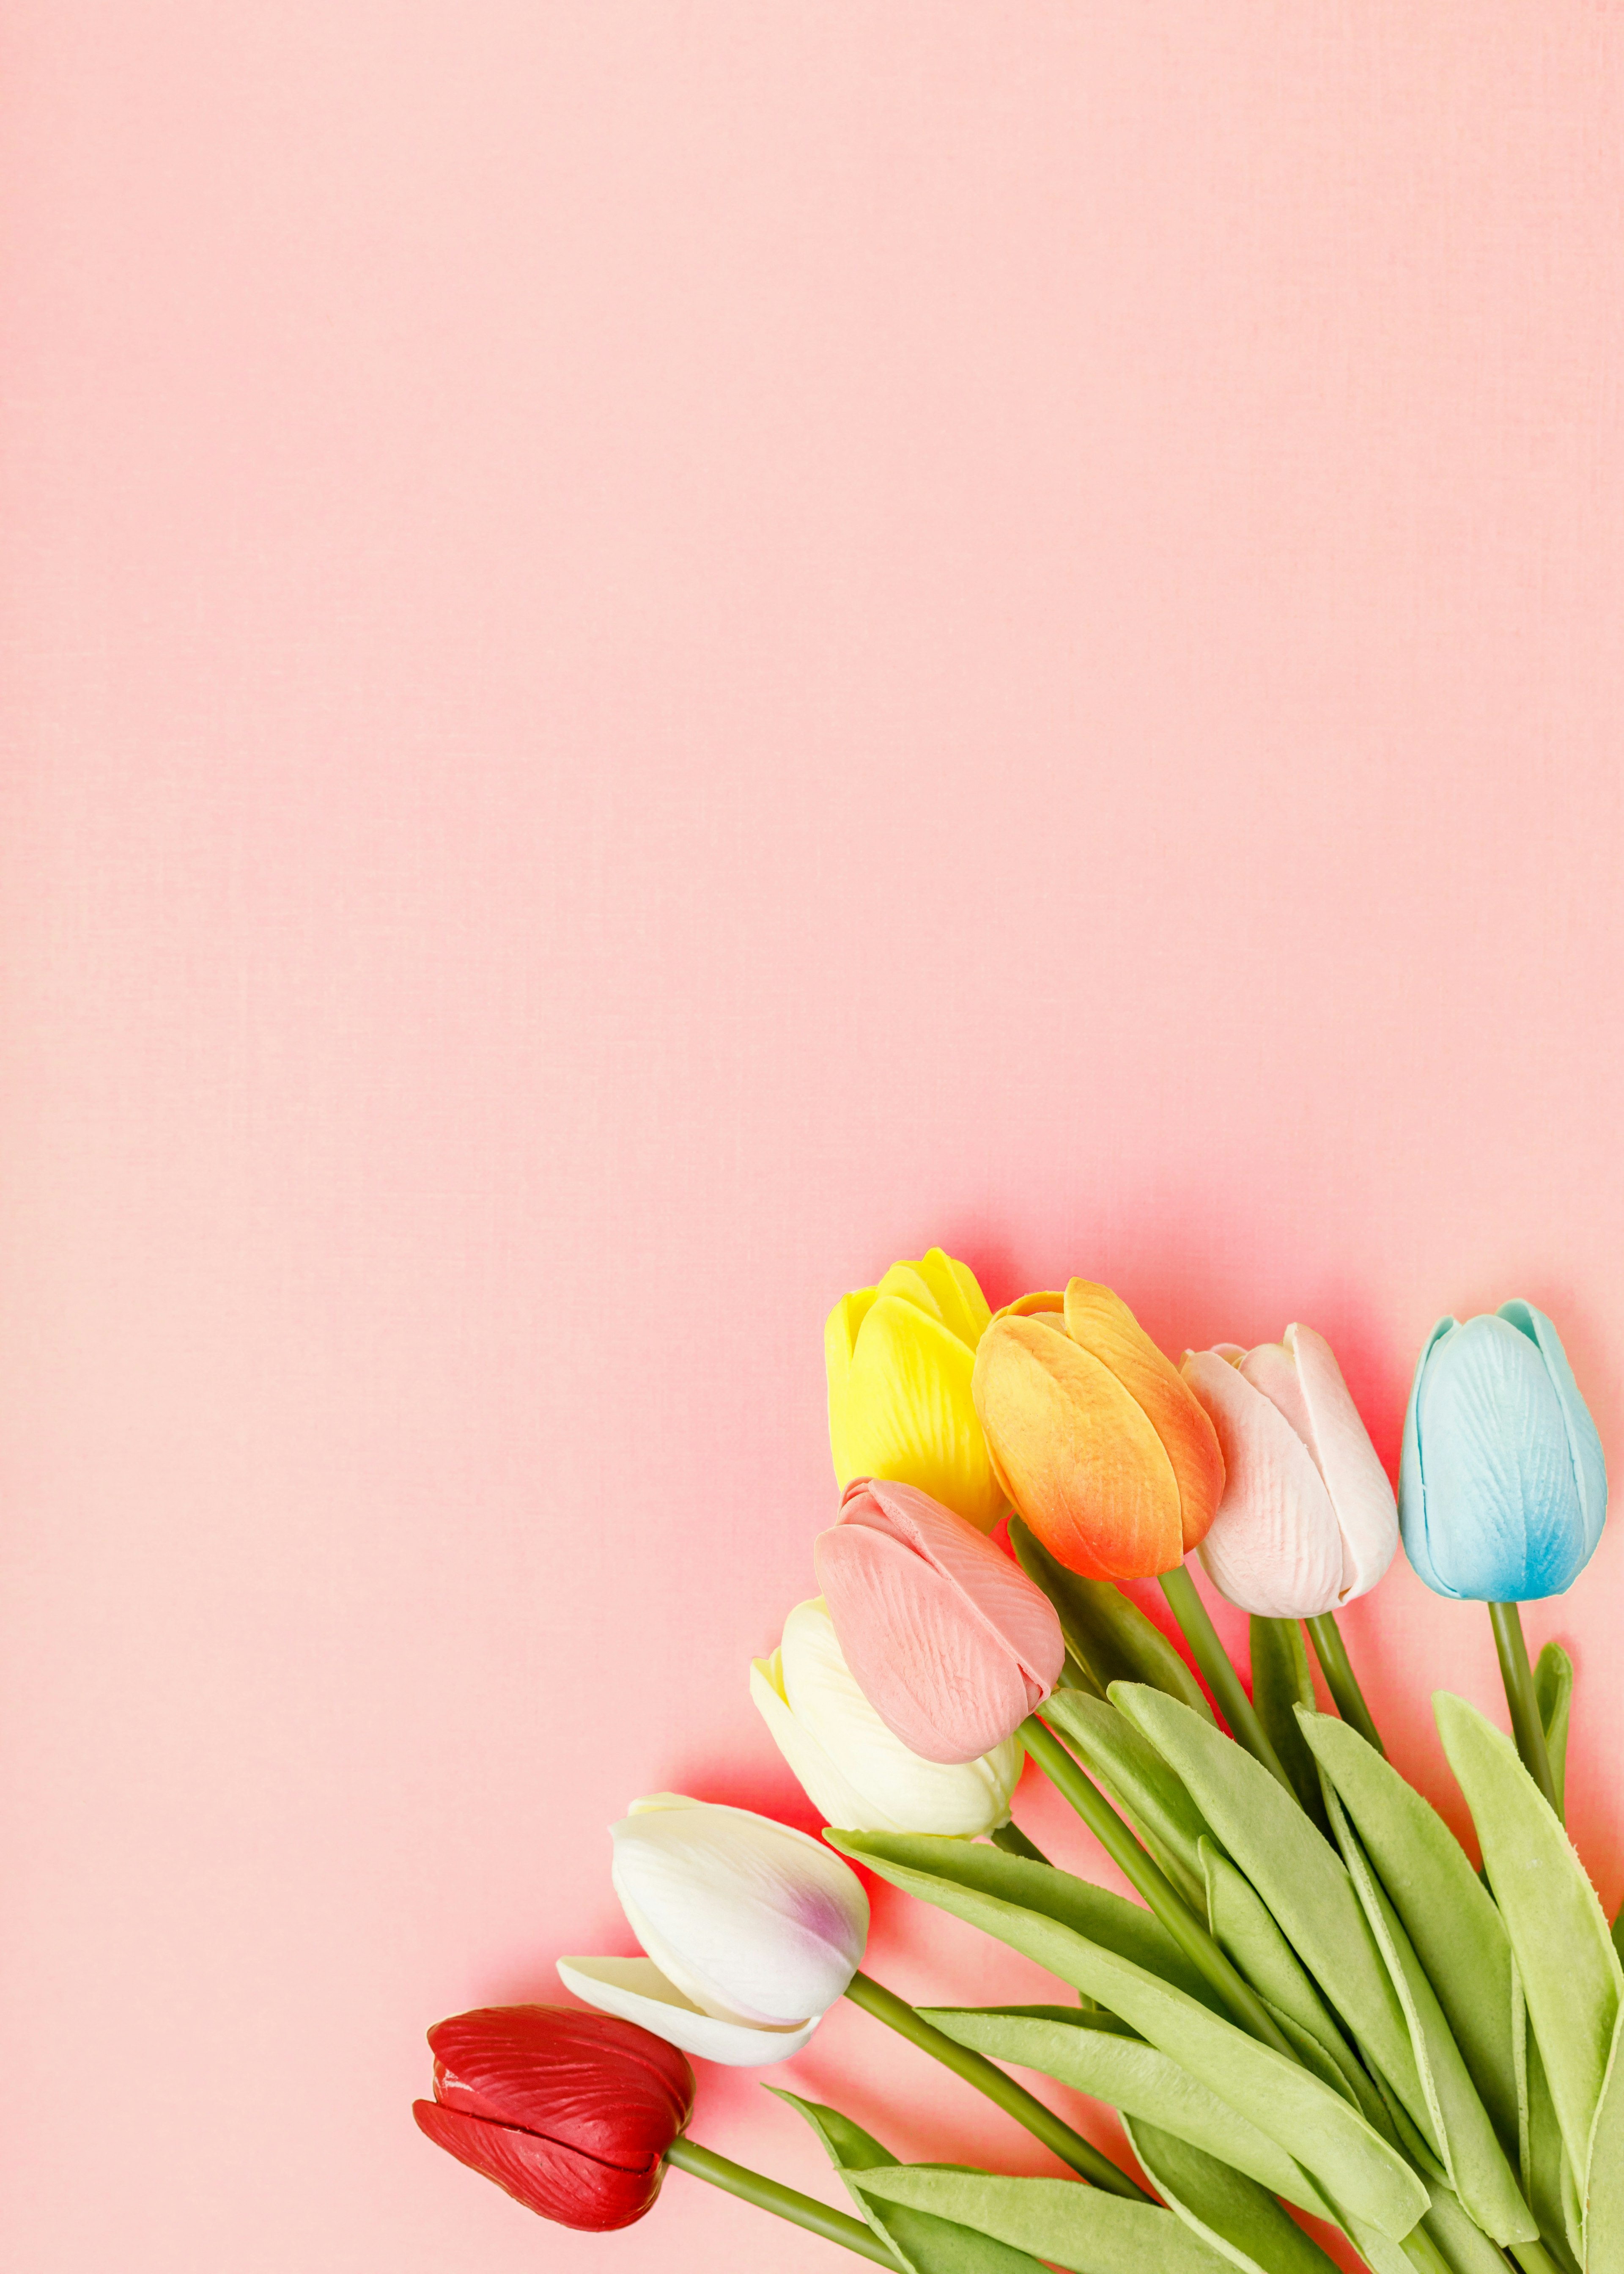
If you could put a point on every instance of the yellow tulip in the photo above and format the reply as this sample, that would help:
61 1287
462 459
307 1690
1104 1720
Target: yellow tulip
900 1357
1095 1436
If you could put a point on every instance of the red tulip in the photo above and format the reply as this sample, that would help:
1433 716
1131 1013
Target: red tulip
571 2112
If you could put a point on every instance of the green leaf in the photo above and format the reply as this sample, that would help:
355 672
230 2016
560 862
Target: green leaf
1553 1681
1465 2248
1604 2212
1281 1682
1297 1873
1246 1929
1108 1635
1134 1775
1544 2164
1090 2016
1449 1913
1105 1918
1569 1967
1349 2162
1238 2217
924 2244
1473 2158
1081 2228
1133 2077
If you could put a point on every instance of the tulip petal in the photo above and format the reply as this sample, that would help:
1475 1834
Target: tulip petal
1084 1463
636 1990
909 1414
954 1290
1501 1499
1099 1322
1360 1492
845 1756
559 2182
601 2086
1584 1444
939 1675
1412 1478
754 1922
1274 1548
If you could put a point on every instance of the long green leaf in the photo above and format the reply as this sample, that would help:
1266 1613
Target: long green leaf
1281 1682
1109 1636
1553 1681
1134 1775
1475 2163
1082 2228
1239 2218
1297 1873
1604 2211
1546 2174
1353 2166
1246 1930
1569 1969
1449 1913
1105 1918
1465 2248
924 2244
1133 2077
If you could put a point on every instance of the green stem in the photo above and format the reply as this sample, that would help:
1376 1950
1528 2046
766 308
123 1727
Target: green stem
1014 1841
1221 1679
1083 2157
1421 2252
769 2195
1526 1726
1142 1872
1340 1678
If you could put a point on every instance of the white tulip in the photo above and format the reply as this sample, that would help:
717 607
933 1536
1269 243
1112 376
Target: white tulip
854 1771
752 1930
1307 1520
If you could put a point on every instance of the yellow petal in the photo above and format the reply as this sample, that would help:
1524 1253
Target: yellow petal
1101 1323
909 1414
1079 1454
841 1329
961 1305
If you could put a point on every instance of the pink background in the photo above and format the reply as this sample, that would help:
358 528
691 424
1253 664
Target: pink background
654 652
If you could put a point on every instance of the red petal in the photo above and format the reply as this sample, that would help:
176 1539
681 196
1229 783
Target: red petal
544 2176
586 2081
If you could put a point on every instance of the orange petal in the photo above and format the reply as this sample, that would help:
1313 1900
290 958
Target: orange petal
1101 1323
1081 1459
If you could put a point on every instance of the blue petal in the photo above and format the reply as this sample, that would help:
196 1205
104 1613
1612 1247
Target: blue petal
1583 1441
1504 1519
1411 1476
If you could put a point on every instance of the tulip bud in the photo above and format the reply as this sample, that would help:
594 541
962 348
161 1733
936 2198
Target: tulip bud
752 1930
950 1642
899 1359
1503 1485
1307 1519
1095 1436
854 1771
572 2114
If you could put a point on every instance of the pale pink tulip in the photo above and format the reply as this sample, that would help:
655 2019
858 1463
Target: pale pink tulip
1307 1520
949 1640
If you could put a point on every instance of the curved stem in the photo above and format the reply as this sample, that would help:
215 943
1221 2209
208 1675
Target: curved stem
771 2195
1533 2258
1014 1841
1526 1726
1142 1872
1083 2157
1221 1679
1340 1678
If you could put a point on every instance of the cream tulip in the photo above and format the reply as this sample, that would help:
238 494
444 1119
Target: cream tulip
1307 1519
751 1930
854 1771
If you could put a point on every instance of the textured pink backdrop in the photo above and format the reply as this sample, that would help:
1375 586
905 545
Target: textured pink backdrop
654 652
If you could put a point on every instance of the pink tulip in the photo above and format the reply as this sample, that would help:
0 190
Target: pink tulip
949 1640
1307 1520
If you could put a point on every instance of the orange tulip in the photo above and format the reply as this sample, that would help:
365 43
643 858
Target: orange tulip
1094 1435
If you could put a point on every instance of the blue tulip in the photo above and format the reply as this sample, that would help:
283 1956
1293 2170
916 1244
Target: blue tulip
1502 1487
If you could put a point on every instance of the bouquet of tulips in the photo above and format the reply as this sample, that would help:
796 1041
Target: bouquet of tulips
1319 2006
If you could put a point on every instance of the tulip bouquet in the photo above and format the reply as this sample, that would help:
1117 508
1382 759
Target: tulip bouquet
1319 2005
